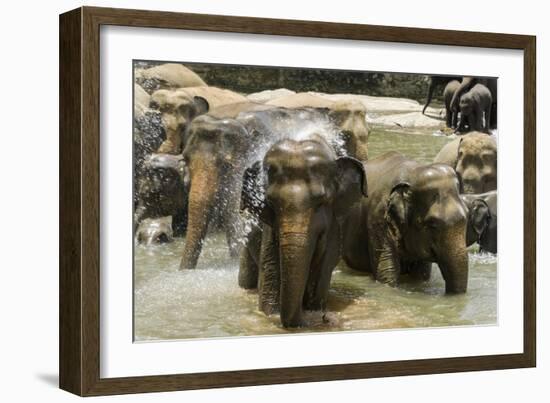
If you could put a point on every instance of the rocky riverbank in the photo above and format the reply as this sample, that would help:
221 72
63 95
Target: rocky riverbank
387 112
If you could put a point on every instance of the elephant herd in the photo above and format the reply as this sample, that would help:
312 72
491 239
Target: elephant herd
290 184
470 102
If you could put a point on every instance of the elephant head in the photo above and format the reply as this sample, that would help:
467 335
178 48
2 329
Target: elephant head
160 188
177 109
482 220
300 190
214 154
476 163
427 219
351 119
466 104
152 231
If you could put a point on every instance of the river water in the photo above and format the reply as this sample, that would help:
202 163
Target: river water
207 302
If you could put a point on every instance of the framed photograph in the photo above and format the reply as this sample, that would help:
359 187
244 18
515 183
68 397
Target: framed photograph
248 201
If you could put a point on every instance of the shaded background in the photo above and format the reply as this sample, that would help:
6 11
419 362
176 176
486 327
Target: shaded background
249 79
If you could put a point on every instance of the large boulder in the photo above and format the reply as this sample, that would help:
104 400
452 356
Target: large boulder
269 95
167 76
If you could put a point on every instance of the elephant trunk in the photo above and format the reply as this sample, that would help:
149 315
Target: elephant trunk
452 258
202 195
431 89
295 260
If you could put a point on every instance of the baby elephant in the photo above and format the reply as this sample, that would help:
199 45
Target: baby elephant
482 220
413 216
475 109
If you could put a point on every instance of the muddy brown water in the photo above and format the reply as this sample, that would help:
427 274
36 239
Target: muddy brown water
207 302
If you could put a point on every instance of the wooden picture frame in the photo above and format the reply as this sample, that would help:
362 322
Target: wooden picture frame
79 346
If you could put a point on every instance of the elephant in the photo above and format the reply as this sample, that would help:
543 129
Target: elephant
217 152
161 191
179 107
433 83
482 220
475 108
413 216
167 76
215 155
451 116
474 158
153 231
301 192
350 116
468 83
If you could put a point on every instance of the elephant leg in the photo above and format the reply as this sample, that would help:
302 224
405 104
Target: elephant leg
269 277
472 122
388 267
431 89
248 270
318 286
454 120
421 271
460 127
317 290
488 118
249 261
179 222
449 118
479 119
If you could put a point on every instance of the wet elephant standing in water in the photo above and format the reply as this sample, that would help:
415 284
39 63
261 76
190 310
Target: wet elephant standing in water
307 190
215 156
474 158
482 220
179 107
349 116
413 216
161 191
475 109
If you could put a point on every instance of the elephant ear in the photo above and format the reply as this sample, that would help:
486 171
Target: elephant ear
253 195
351 184
201 105
479 216
397 209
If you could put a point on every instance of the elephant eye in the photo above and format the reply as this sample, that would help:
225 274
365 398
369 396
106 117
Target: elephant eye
271 170
432 223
